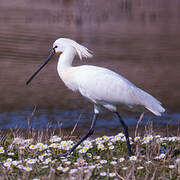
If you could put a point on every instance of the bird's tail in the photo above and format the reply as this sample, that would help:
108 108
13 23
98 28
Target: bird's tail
156 109
152 104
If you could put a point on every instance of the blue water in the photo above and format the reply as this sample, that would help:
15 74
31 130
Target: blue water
67 119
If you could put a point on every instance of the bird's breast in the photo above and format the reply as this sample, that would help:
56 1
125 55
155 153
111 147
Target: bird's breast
68 77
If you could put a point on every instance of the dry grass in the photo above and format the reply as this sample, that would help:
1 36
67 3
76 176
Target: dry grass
36 154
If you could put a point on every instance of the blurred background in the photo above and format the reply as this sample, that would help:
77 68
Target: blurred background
137 39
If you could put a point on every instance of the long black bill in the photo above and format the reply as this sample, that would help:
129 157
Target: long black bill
47 60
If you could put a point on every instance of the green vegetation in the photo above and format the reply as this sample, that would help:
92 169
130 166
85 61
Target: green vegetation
39 156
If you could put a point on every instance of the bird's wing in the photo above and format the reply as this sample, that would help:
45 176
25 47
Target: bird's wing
103 85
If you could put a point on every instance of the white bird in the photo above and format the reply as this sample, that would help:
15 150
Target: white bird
103 87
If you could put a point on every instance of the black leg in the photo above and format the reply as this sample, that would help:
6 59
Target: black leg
89 133
126 133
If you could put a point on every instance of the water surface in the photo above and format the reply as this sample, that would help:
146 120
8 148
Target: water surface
138 39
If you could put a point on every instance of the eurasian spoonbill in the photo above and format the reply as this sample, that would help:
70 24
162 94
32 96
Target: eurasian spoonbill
103 87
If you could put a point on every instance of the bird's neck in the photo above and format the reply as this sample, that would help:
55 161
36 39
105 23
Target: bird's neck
65 60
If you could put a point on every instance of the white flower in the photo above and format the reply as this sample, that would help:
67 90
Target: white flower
124 139
11 154
15 163
100 147
111 147
20 166
55 139
140 167
32 147
106 138
99 166
59 168
40 145
99 142
27 168
87 143
178 160
85 148
103 161
121 159
113 162
44 146
28 141
173 139
156 157
22 147
148 162
1 150
162 156
89 155
80 161
52 162
64 159
99 139
120 135
157 136
7 164
69 142
103 174
44 167
9 160
150 137
41 157
110 144
65 145
75 164
68 162
91 166
124 168
133 158
82 151
46 154
47 161
114 139
114 158
31 161
79 147
137 138
97 157
65 169
171 166
55 145
147 139
18 141
112 174
72 171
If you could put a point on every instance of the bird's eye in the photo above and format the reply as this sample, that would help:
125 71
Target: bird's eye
55 47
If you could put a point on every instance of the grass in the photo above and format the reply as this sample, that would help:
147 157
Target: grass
36 155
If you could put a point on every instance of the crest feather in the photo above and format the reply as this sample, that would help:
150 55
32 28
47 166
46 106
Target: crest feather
82 51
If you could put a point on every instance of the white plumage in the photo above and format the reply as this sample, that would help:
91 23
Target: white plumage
102 86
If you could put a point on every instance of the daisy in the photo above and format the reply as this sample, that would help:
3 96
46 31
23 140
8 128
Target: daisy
103 174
